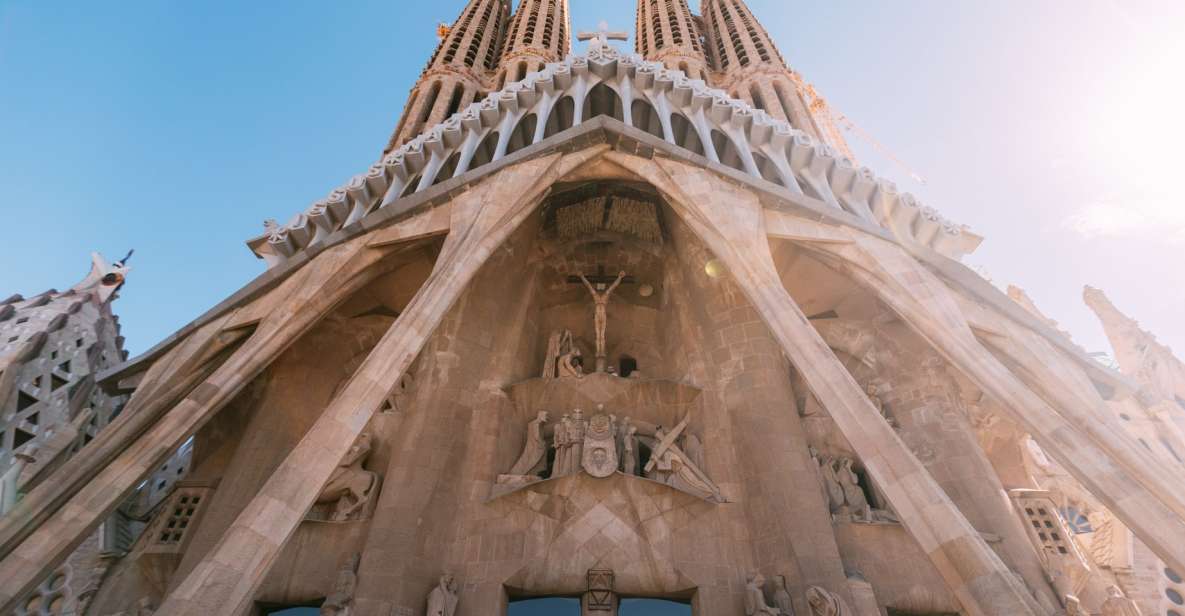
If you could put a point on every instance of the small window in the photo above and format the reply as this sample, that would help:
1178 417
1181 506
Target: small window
1172 576
1174 596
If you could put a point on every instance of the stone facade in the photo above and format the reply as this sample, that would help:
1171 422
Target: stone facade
544 350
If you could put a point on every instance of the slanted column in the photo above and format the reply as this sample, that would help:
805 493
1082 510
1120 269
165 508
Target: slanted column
300 303
924 302
225 581
1050 373
730 223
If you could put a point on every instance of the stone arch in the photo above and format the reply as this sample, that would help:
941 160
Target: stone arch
485 150
448 168
523 134
646 118
726 151
769 172
561 118
685 134
603 100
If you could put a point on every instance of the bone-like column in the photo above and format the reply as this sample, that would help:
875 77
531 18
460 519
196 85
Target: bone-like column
923 301
730 223
1052 375
225 581
167 380
301 301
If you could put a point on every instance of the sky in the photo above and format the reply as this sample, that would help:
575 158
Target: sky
1053 128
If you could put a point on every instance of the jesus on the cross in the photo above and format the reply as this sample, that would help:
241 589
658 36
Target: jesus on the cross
600 296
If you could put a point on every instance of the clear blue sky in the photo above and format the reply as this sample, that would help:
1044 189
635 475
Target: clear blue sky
175 128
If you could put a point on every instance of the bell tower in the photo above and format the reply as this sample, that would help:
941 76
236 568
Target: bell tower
539 33
668 33
751 68
456 76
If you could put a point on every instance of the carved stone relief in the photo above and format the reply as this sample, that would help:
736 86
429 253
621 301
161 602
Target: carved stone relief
755 604
442 601
340 601
823 602
350 487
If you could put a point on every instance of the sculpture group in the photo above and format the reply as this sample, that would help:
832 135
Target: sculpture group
819 600
603 445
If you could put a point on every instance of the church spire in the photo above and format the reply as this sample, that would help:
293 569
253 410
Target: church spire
752 69
1139 354
456 75
668 33
539 33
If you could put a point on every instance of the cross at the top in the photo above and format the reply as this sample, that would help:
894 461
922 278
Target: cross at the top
602 36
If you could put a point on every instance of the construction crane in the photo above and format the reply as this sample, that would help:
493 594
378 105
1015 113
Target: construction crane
442 30
831 121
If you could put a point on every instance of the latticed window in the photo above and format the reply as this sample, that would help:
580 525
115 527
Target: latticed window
179 518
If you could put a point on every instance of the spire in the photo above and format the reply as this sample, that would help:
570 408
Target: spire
751 68
459 69
668 33
539 33
1138 352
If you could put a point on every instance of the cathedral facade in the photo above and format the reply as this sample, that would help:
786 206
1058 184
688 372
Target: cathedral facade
602 326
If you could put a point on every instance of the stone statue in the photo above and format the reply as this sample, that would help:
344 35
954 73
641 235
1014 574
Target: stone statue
1074 606
534 455
340 601
825 603
629 451
442 601
671 465
782 596
558 344
873 393
755 604
1119 605
350 486
852 492
831 485
10 480
600 295
576 441
694 449
599 457
560 440
623 429
570 363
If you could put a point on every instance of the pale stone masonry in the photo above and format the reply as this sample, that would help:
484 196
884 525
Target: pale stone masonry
596 328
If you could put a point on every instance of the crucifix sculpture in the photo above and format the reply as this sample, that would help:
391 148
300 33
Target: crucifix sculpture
600 39
601 288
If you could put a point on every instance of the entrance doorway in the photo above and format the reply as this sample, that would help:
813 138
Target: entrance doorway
653 607
550 606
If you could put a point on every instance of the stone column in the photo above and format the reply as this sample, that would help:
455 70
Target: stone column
925 302
1049 373
747 381
730 221
926 405
294 307
482 218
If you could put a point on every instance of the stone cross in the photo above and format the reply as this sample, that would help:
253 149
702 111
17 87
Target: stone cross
602 36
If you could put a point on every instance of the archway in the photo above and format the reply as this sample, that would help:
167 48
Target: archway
768 171
485 150
523 135
602 100
561 118
646 118
726 151
549 606
685 134
653 607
